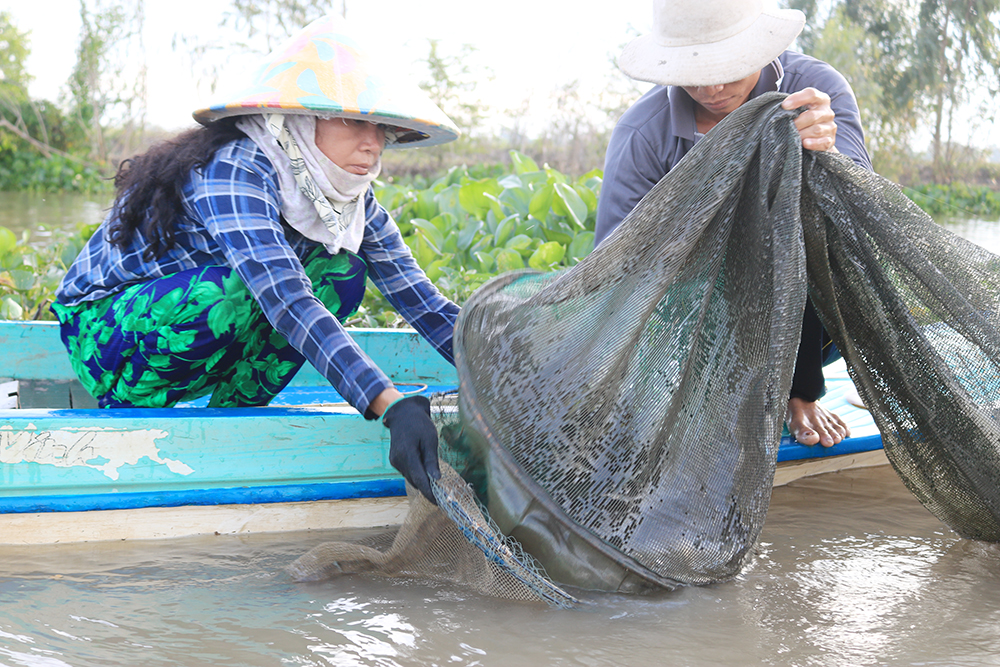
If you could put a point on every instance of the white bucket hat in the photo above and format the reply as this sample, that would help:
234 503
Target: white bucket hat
709 42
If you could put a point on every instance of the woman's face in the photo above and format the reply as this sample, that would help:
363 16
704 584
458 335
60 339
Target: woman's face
352 145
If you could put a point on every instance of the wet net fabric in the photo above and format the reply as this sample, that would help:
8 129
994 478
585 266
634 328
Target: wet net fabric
453 542
915 310
620 420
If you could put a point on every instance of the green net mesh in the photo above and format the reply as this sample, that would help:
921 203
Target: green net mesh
620 420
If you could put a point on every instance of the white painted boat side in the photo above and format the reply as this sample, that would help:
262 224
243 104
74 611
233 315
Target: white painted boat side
789 471
154 523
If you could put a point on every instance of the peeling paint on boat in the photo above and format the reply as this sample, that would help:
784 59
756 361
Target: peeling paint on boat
103 449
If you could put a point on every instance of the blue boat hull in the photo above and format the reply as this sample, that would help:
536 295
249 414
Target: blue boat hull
308 447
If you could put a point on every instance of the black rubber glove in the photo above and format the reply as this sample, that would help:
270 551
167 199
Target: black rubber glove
413 442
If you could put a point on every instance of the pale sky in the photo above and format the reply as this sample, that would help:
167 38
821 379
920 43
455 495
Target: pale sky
532 46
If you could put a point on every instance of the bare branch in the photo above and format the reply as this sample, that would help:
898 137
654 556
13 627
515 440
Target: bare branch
42 147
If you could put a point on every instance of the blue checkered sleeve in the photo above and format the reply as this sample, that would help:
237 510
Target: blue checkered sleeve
398 276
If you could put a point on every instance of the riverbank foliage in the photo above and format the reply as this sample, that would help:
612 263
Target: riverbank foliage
464 227
32 172
956 200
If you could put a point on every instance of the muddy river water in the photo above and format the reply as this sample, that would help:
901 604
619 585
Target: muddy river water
850 570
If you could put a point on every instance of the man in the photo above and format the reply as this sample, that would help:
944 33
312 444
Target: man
708 57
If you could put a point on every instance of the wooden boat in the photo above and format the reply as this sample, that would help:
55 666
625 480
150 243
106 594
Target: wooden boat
70 472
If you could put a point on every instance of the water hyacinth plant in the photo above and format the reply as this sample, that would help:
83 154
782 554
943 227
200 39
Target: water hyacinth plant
30 272
955 200
464 230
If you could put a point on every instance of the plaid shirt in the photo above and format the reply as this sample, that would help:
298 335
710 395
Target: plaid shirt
232 207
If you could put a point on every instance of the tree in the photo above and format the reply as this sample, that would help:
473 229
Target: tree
871 64
108 83
14 51
28 128
956 51
919 60
452 84
14 80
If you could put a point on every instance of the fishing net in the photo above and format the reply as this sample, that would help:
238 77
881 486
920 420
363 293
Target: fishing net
620 420
453 541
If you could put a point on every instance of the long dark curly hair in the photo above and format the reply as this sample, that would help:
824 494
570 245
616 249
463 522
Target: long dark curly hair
149 187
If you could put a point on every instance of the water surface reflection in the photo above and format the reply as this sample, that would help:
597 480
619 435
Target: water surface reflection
29 211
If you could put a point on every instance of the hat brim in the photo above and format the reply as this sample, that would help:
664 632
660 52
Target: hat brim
724 61
409 132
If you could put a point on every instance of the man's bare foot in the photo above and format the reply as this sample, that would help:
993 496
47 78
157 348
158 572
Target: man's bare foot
810 423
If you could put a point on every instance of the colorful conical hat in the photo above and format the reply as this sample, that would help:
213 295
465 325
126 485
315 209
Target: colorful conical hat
323 71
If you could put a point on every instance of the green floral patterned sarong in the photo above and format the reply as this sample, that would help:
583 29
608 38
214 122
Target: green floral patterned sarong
193 333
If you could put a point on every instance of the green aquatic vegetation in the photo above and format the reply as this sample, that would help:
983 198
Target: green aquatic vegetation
956 200
465 228
30 271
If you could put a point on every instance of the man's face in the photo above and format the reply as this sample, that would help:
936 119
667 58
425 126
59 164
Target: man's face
723 99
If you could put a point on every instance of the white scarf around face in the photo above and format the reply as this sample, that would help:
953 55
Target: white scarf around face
320 200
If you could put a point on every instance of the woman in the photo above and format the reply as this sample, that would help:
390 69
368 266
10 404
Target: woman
233 253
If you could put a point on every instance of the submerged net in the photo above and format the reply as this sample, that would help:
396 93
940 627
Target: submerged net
452 542
620 420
